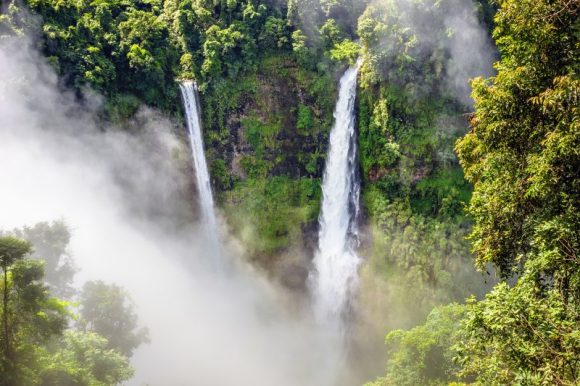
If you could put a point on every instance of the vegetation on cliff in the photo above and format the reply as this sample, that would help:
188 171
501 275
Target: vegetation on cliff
522 158
410 115
445 181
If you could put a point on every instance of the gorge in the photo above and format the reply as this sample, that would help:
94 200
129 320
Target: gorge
289 192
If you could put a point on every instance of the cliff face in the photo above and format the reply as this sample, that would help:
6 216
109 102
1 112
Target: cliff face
267 136
268 75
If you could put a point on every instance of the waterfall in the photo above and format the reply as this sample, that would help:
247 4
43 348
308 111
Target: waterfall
335 279
192 110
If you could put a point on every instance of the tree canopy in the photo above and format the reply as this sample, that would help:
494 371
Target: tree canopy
39 346
522 156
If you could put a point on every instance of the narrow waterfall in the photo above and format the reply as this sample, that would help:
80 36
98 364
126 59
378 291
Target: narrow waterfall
335 279
192 110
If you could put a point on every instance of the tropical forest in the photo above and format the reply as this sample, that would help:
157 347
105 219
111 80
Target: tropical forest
289 192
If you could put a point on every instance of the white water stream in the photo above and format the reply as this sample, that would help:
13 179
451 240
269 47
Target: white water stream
335 279
192 110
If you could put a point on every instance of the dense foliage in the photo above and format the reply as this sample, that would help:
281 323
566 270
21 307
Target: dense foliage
39 346
50 242
423 355
267 71
410 116
522 158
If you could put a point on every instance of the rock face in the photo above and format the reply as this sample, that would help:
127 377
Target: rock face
267 136
281 114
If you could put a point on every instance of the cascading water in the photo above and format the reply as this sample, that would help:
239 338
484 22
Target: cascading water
336 278
192 110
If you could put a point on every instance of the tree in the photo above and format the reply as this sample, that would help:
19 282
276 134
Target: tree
331 33
37 347
108 311
424 355
275 34
50 242
30 316
11 250
522 158
345 51
83 358
299 47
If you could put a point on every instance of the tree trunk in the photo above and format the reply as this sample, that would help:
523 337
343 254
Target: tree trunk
5 317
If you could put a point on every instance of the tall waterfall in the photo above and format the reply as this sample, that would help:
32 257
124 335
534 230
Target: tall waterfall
336 262
192 110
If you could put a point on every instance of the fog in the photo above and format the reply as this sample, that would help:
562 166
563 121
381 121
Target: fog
470 51
126 196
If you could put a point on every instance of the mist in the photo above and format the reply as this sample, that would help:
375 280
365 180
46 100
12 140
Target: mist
127 194
127 197
469 48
